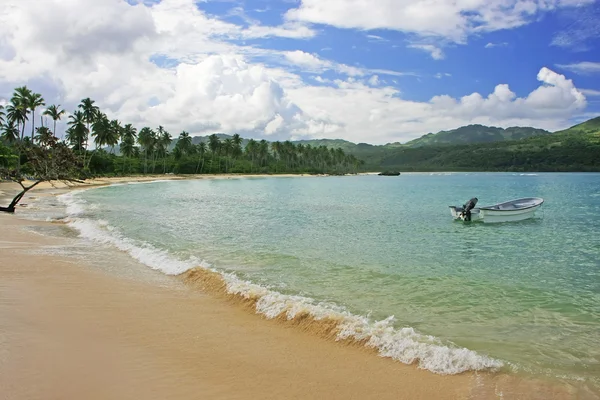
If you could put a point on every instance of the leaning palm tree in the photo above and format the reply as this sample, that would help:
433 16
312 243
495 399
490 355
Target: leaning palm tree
2 114
54 112
34 100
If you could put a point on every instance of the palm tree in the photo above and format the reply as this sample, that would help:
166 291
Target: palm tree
263 151
100 128
77 133
251 148
213 144
34 100
146 139
10 133
184 142
114 133
228 149
127 146
54 112
1 114
90 112
237 145
44 135
164 141
18 108
201 153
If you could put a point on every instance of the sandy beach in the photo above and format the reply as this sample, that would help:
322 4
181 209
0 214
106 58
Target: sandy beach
69 330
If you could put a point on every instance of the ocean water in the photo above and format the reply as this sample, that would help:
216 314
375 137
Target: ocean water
383 257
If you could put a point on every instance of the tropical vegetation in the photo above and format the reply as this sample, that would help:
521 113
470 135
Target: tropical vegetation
110 147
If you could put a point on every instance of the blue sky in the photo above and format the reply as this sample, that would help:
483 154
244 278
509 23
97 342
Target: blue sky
378 72
512 56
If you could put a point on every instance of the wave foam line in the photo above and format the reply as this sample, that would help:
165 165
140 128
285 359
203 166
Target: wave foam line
326 320
404 345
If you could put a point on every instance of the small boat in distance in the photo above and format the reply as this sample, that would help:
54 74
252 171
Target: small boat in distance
513 210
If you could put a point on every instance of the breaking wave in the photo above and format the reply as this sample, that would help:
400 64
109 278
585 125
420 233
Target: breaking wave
324 319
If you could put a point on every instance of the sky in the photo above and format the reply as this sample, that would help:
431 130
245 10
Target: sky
376 71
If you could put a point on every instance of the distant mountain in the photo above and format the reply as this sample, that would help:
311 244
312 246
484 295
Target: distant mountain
573 149
475 134
331 143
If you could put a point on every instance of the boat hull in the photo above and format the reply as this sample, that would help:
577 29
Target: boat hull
514 210
492 216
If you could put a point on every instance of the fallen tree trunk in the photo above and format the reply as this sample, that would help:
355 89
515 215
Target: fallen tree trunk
18 197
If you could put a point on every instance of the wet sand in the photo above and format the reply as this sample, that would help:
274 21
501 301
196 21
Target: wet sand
70 331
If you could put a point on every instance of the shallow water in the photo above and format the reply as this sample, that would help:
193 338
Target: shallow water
523 296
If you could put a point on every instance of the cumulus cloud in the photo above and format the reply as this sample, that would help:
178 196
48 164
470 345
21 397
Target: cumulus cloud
204 83
454 20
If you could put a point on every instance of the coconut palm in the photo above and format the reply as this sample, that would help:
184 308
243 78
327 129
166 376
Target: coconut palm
44 136
163 142
214 144
184 142
90 112
20 100
251 150
201 149
54 112
237 145
18 110
114 133
147 139
10 133
34 100
127 146
77 133
227 150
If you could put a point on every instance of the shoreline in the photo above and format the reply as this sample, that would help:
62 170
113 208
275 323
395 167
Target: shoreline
305 364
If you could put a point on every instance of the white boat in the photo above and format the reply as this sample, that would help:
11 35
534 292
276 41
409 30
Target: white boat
513 210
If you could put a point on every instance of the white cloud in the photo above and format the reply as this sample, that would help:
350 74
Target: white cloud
578 27
72 49
376 38
308 62
584 67
440 75
491 45
454 20
435 52
590 92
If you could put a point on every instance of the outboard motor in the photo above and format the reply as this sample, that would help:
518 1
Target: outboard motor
468 207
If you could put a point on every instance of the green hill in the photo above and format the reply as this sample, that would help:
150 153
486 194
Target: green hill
573 149
475 134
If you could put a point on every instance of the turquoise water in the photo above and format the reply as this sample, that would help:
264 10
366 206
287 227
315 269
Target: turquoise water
524 294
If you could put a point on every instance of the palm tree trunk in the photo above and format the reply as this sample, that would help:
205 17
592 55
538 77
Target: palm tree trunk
32 124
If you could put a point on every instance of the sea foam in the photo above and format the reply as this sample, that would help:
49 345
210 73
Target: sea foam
402 344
